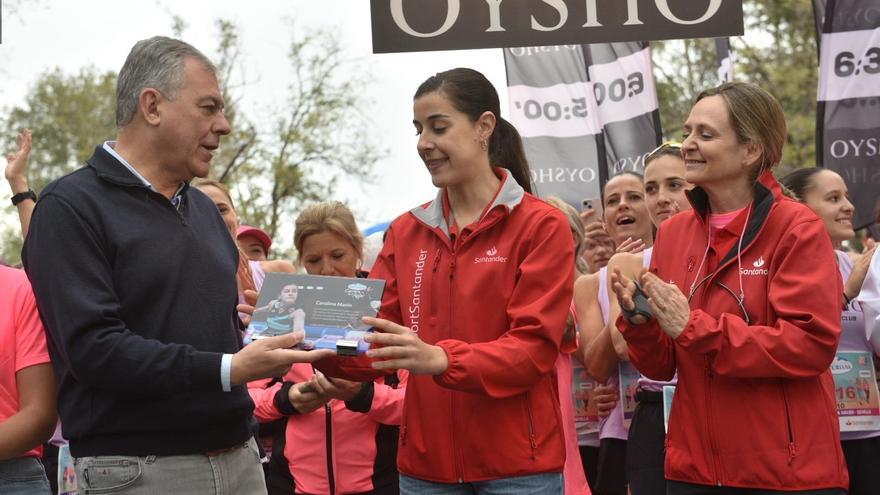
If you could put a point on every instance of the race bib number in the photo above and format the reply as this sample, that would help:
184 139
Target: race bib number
629 383
586 416
855 391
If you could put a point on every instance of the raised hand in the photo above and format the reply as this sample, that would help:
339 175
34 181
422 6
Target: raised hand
17 162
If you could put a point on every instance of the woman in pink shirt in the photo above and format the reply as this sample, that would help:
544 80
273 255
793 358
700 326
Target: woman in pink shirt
27 388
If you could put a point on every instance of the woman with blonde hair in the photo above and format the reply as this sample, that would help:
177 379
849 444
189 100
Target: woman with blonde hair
743 302
339 436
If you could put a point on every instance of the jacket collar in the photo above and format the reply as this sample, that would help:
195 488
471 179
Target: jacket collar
509 196
767 190
108 168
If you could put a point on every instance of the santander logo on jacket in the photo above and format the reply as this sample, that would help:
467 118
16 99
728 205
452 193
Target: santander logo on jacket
492 256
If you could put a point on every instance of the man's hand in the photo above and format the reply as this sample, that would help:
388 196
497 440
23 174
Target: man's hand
271 356
403 349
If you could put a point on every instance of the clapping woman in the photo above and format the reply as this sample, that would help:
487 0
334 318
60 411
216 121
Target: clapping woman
745 305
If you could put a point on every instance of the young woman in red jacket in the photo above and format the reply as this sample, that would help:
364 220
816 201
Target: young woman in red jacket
745 303
478 287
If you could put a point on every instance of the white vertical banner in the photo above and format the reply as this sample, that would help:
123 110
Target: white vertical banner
626 99
553 106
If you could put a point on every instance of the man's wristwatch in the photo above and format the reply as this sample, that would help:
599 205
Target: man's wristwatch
29 194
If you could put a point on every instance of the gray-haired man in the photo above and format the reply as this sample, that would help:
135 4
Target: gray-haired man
134 274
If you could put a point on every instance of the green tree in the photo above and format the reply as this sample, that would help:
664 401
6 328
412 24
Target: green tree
69 116
313 137
274 161
777 52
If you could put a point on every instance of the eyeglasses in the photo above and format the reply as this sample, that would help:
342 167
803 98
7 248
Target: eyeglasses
672 145
740 301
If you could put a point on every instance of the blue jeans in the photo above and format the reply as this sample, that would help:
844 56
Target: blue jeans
23 476
536 484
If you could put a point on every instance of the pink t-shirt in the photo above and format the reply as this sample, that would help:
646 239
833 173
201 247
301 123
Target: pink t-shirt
22 339
720 220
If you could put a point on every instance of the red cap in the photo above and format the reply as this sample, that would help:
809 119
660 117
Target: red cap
247 230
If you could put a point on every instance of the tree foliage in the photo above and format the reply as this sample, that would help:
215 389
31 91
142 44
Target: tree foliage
777 52
275 159
314 136
69 116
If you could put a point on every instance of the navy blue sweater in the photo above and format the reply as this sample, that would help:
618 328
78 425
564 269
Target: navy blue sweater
138 299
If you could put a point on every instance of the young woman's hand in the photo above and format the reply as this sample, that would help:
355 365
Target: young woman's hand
336 388
606 398
306 398
17 162
403 349
631 246
857 276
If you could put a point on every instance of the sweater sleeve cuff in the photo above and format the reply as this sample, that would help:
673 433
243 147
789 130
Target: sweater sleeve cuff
282 400
203 370
363 401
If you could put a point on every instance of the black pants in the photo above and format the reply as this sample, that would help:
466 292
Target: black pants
611 476
677 488
863 463
645 448
590 460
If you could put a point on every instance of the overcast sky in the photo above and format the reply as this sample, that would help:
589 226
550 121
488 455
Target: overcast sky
72 34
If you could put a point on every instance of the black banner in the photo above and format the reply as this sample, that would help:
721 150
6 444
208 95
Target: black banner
725 59
420 25
848 127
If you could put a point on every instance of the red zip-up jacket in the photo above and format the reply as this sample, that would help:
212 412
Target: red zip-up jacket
754 406
495 298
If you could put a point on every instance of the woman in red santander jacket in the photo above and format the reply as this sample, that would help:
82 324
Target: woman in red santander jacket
746 306
478 285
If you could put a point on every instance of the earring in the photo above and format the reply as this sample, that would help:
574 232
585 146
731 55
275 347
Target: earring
483 144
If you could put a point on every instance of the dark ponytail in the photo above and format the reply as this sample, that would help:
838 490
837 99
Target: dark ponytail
799 182
506 150
472 94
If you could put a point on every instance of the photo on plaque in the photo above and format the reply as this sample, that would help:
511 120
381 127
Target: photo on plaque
327 309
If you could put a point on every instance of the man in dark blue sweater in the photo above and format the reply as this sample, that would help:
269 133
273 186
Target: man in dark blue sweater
134 274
